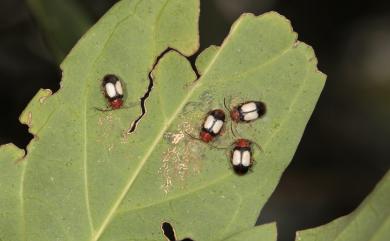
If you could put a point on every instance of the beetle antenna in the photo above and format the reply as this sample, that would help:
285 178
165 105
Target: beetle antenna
231 129
234 131
224 103
102 110
211 145
131 105
258 146
192 136
218 147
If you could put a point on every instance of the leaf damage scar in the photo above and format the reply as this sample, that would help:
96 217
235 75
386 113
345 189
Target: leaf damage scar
169 232
143 99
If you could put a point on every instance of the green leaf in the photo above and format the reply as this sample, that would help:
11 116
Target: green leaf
370 221
266 232
86 178
11 205
61 22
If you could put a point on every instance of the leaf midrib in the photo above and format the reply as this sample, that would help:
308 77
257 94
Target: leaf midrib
112 211
85 125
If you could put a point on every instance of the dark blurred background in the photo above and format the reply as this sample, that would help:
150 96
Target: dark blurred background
345 148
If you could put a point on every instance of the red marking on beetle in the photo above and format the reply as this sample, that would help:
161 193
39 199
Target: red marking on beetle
235 114
242 143
116 104
205 136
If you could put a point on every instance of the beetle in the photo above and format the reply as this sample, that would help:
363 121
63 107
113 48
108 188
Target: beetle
212 125
241 156
248 111
113 91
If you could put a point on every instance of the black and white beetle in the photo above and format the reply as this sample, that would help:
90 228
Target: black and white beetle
241 156
247 111
113 91
212 125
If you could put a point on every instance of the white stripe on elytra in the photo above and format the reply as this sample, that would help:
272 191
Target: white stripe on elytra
246 158
251 116
110 90
217 126
118 87
208 124
236 160
249 107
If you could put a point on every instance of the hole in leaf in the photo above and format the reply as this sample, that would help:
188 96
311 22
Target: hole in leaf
168 231
147 93
16 92
192 60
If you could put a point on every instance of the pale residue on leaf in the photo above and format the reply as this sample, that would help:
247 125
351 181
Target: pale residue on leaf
110 147
105 122
48 93
29 118
124 138
180 160
176 138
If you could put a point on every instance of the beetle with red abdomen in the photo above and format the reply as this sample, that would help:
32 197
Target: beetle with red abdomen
212 125
247 111
241 156
113 91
